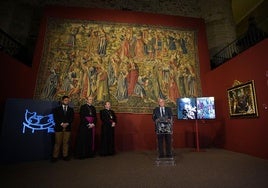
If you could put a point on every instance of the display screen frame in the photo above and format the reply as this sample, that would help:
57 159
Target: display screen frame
192 108
205 108
186 108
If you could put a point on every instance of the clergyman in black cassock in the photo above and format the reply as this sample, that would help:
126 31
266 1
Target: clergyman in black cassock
109 121
85 143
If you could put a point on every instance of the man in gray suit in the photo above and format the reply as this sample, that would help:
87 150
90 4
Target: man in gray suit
162 117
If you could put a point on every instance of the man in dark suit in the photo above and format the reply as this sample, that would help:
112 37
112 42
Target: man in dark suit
63 117
162 117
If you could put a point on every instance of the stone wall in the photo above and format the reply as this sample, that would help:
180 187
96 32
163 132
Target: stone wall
21 18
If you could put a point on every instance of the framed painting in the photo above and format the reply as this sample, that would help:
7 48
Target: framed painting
242 100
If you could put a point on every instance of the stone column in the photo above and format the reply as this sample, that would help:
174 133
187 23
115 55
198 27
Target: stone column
219 21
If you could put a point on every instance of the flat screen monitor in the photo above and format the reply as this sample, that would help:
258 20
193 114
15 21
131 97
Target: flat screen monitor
205 108
186 108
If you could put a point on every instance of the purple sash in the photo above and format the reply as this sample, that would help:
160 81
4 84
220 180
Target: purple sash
90 119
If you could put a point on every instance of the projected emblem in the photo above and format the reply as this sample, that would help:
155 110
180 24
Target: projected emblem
37 122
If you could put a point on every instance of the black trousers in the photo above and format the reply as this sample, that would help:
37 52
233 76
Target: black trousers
167 138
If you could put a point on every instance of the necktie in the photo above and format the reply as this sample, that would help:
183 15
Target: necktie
162 112
65 109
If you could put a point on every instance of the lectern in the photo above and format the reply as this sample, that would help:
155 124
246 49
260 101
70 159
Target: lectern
164 128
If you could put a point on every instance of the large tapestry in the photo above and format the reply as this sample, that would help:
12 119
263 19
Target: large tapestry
128 64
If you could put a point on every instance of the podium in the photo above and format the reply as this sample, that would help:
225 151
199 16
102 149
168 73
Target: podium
164 132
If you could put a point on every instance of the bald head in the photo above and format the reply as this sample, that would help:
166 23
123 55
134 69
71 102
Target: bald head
161 102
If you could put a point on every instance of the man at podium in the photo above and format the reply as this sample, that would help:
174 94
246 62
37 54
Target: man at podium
162 117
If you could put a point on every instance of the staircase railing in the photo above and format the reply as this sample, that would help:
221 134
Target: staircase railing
250 38
14 48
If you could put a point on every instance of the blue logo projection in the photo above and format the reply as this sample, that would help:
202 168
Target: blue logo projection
28 127
37 122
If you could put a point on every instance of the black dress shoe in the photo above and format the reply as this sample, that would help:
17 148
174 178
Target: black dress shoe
91 156
66 158
169 156
53 160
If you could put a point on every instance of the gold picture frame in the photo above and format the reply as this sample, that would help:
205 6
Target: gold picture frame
242 100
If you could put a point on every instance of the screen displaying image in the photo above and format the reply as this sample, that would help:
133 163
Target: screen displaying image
205 108
186 108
